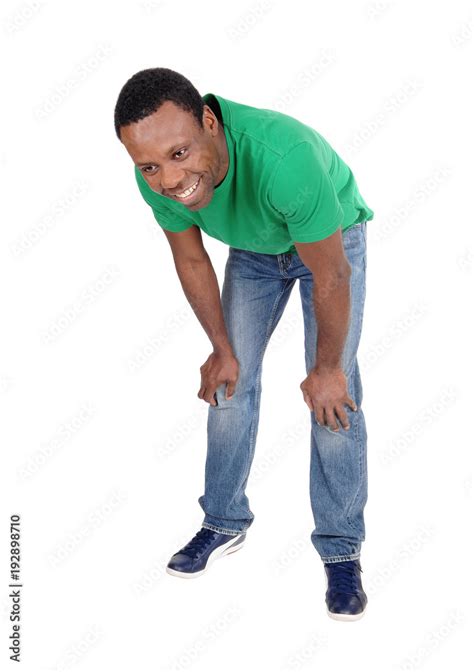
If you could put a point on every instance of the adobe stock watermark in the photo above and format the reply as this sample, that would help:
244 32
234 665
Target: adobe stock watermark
307 652
173 324
287 209
394 333
462 35
407 550
180 435
151 576
249 19
65 433
79 648
422 192
467 485
464 261
213 631
289 438
265 233
378 9
285 331
75 310
27 240
389 107
430 414
434 639
80 73
151 6
304 80
22 16
6 383
95 519
156 571
293 551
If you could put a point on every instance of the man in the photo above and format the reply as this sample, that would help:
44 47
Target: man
288 207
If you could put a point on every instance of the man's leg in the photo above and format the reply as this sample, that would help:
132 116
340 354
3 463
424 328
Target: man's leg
255 292
338 466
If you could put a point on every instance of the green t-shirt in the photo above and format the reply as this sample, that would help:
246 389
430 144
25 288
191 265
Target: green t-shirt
284 184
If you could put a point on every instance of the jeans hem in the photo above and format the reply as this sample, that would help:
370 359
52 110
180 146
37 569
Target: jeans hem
340 558
221 530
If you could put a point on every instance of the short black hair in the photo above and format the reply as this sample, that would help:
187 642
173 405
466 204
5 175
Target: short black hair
146 90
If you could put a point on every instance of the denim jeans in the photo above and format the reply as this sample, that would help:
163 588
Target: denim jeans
255 292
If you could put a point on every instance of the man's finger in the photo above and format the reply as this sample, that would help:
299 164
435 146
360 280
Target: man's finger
230 389
341 414
319 415
308 401
205 394
331 421
350 402
210 397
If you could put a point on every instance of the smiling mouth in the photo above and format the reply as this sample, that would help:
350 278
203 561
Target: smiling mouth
187 193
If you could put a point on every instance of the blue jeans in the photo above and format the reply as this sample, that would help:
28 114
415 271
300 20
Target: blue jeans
255 292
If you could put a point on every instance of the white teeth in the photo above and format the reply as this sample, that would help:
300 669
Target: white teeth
188 191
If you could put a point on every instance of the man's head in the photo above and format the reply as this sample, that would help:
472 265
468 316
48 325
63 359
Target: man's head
174 139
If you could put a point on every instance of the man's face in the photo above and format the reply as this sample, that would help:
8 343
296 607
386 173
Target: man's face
177 158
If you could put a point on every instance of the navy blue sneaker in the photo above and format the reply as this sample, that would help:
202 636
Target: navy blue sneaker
206 546
345 597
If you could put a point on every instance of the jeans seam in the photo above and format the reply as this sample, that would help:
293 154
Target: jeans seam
353 373
260 367
221 530
340 558
350 371
354 499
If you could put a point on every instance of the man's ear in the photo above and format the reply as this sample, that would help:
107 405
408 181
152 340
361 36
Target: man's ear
209 119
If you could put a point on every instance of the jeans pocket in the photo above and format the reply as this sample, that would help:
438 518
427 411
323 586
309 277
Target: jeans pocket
351 237
354 227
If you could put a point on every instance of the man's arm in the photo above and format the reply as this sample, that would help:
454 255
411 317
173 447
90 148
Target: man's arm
325 387
199 282
331 274
201 288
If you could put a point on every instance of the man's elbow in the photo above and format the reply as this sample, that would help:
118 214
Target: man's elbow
325 258
331 280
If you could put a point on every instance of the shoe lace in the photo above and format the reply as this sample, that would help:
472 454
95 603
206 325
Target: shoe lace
343 577
198 543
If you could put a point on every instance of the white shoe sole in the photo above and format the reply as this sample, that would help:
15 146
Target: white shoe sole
219 552
342 617
345 617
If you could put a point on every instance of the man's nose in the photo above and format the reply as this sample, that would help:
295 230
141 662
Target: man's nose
171 177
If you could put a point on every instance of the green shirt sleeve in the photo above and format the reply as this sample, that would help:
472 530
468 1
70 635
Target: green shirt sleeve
303 192
169 221
164 216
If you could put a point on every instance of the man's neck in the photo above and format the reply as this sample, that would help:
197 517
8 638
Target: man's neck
223 154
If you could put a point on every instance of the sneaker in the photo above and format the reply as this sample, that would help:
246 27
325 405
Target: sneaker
206 546
345 597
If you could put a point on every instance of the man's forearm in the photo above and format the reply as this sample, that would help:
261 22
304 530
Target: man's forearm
332 309
199 282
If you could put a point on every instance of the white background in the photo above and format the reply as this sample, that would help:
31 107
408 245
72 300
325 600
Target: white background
103 436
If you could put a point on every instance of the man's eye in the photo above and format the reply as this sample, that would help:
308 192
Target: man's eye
179 152
148 169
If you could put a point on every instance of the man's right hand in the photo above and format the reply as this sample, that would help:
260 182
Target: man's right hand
220 367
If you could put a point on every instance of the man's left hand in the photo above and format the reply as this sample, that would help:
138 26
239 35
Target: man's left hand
325 393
